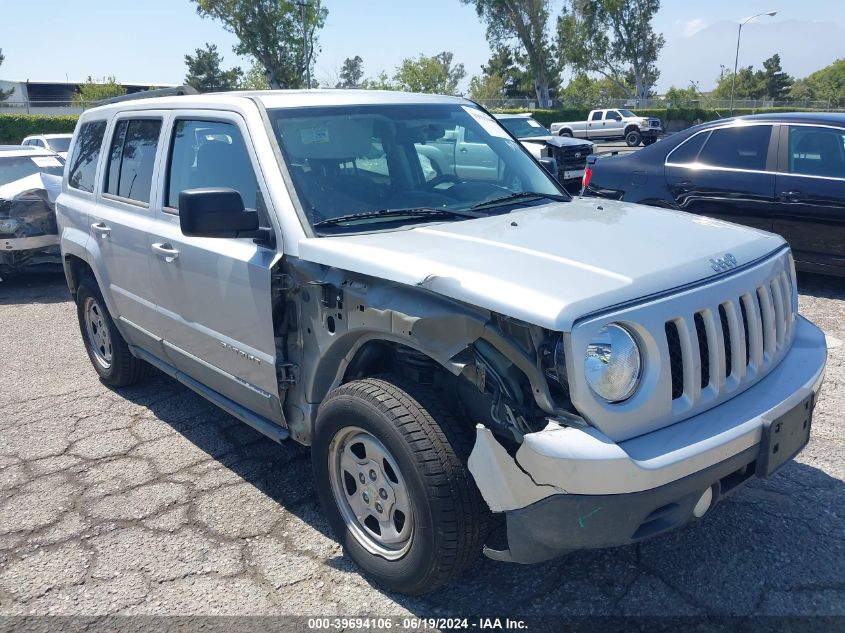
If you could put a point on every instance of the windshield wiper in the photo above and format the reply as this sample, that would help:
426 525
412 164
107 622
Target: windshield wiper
415 212
519 195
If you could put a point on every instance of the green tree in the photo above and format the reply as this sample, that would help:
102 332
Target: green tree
749 85
613 38
351 73
4 94
435 74
274 33
380 82
681 97
826 84
585 91
775 82
205 74
93 90
255 78
509 66
523 23
486 88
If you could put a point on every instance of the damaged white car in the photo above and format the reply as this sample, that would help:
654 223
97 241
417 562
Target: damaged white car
455 343
30 180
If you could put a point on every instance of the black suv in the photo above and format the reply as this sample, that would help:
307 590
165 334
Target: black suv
779 172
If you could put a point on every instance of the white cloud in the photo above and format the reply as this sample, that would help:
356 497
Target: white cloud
694 26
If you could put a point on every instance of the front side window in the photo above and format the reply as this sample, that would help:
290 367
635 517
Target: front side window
817 151
86 153
738 147
612 115
131 159
209 154
441 161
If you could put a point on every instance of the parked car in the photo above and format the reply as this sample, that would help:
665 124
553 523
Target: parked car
29 182
474 343
778 172
569 154
613 124
54 142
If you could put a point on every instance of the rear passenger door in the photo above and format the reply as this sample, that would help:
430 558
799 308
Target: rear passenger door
726 173
120 220
810 193
595 126
214 304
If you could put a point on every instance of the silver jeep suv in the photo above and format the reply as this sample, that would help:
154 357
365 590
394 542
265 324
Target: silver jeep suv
457 340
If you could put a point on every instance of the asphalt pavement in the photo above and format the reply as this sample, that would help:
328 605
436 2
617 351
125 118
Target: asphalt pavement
149 500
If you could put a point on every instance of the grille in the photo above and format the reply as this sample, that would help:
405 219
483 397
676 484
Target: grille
731 342
654 123
566 159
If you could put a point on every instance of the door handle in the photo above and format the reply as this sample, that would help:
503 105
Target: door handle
464 150
165 251
792 194
101 229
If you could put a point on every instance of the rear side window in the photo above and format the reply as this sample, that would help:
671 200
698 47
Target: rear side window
687 152
131 159
86 153
596 116
817 151
737 147
210 154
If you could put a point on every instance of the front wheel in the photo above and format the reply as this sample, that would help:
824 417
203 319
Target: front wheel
633 138
390 471
649 141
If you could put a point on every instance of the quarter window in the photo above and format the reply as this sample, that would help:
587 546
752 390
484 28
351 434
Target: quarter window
210 154
86 153
687 152
737 147
817 151
131 159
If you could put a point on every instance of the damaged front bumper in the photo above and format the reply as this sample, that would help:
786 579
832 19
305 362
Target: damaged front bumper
28 230
573 488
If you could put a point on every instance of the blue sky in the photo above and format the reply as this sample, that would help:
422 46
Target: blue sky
145 40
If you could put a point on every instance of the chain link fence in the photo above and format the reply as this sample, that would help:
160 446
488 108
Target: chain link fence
658 102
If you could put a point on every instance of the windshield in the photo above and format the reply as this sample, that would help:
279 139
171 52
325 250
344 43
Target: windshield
373 160
59 144
524 127
15 168
627 114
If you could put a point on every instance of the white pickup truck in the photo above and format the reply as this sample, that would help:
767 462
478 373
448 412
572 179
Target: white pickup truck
612 124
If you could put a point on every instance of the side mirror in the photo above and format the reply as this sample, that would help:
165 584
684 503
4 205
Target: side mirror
550 164
216 212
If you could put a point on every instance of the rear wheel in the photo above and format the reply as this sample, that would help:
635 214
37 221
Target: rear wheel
633 138
390 470
565 133
107 350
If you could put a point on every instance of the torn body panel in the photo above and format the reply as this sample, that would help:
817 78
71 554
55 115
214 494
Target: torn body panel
572 487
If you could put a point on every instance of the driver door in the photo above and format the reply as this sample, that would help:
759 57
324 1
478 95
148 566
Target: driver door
212 295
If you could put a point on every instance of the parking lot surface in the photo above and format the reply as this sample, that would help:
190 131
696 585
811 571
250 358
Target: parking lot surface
150 500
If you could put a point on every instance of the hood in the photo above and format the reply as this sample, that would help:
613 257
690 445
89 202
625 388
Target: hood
549 265
556 141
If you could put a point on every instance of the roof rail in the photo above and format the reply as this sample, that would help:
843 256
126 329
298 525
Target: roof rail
150 94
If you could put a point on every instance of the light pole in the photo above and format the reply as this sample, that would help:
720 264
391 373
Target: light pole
736 59
303 6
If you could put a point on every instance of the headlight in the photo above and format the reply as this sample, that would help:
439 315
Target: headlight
612 363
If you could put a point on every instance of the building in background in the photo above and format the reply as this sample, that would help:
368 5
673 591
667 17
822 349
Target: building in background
53 97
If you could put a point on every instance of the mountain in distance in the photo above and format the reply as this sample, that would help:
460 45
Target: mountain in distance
804 47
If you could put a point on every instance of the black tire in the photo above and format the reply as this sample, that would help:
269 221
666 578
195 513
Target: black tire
649 141
565 133
633 138
430 449
123 369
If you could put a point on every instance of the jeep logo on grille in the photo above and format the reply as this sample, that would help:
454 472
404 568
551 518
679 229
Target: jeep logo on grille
720 264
